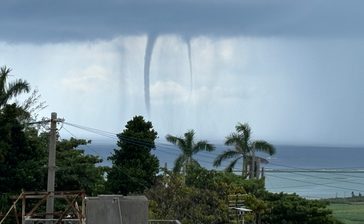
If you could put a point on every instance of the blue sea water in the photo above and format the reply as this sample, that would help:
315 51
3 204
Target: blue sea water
309 171
317 172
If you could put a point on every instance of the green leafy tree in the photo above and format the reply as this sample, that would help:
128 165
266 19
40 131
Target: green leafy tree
243 147
293 209
22 154
229 187
77 170
202 196
171 199
188 148
134 168
12 89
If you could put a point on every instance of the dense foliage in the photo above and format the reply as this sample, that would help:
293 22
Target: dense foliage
293 209
205 197
24 150
23 163
76 170
22 154
200 197
134 168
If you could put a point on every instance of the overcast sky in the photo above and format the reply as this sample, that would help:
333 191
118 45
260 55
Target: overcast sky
291 69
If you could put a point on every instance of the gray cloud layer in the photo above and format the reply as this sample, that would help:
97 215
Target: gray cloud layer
44 21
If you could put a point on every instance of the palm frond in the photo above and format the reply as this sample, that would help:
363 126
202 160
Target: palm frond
232 164
178 163
194 163
262 160
179 142
238 141
203 146
188 147
17 87
228 154
172 139
4 73
14 89
233 139
189 139
263 146
245 130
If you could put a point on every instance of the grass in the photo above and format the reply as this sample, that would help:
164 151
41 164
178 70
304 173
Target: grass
349 213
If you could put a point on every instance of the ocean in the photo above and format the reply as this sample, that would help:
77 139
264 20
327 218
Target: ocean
309 171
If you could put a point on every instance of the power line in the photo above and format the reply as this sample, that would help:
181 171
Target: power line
177 154
164 146
136 141
126 174
314 183
85 144
297 186
316 177
93 130
313 171
128 139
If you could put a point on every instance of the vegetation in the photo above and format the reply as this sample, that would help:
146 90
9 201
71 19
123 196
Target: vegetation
24 150
134 168
78 171
12 89
348 213
23 164
205 197
243 148
191 194
199 197
293 209
23 155
188 148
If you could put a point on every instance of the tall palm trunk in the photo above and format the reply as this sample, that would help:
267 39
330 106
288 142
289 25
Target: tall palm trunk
245 166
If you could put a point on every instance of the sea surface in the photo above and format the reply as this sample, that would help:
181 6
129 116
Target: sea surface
309 171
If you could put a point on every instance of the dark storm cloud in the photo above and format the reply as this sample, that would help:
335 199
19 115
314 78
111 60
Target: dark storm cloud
44 21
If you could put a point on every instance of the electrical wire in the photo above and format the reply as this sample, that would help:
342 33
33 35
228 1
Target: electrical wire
126 174
296 186
162 147
314 171
130 177
314 183
85 145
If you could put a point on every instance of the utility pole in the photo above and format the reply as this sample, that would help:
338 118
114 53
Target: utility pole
51 164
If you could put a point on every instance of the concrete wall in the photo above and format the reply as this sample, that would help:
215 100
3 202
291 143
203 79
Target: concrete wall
117 209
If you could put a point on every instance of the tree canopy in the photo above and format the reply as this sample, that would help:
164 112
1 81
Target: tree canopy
24 150
243 148
77 170
134 168
206 196
12 89
188 148
22 154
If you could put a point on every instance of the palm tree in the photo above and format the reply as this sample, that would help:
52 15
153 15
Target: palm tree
11 90
188 148
244 148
